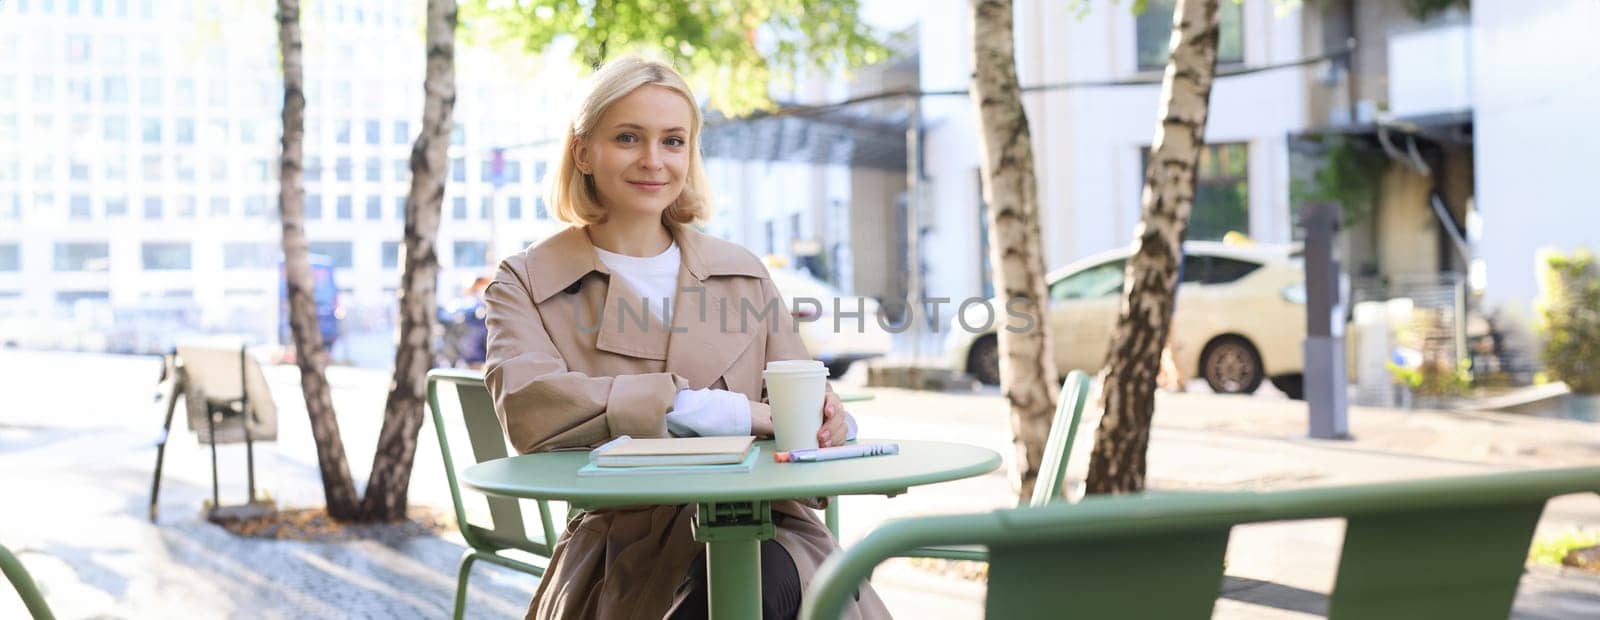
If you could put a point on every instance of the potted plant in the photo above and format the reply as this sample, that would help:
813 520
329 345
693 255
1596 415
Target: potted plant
1568 319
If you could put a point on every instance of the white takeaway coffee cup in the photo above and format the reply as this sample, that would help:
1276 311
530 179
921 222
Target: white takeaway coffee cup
795 390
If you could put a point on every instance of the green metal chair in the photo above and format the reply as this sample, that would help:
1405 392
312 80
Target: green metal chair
1439 548
17 574
506 529
1052 472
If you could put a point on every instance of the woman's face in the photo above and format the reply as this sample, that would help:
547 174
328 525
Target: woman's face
639 152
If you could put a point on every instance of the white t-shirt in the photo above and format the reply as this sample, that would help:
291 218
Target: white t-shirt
654 278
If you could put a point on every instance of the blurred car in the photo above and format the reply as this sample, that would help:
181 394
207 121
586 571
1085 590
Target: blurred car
324 291
1240 318
840 348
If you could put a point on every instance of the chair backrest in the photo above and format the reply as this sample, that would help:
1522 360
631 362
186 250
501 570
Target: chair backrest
1439 548
1063 430
225 372
506 527
20 580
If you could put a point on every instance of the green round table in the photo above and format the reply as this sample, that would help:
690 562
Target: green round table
733 511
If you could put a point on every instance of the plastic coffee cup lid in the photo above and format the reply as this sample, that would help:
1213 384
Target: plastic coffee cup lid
794 367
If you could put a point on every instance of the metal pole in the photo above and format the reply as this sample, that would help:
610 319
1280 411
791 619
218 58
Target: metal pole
249 442
1324 369
913 236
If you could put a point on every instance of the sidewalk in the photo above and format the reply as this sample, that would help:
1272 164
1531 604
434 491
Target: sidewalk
77 448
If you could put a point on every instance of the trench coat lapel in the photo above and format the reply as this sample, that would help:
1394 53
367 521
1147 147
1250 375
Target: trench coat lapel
704 341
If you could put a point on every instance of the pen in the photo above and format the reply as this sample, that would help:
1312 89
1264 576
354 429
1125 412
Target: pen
808 455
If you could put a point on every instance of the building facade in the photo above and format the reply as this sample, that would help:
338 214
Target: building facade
138 155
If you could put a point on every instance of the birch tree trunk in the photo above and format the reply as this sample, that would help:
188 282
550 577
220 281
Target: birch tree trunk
1150 283
1027 361
402 417
337 488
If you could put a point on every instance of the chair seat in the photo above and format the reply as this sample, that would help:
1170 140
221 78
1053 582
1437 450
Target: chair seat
971 553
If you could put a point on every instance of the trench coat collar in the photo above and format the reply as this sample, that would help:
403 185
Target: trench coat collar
696 346
567 256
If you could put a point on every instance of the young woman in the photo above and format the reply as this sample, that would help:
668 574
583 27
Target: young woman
582 349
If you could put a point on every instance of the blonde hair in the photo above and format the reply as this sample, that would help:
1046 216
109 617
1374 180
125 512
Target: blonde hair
572 193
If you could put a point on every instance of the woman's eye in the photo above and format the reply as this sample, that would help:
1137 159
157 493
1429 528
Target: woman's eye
626 138
675 141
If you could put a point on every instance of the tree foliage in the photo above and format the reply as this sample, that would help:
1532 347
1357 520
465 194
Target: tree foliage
731 49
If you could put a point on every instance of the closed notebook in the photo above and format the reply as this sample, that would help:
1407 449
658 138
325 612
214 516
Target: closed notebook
741 467
625 451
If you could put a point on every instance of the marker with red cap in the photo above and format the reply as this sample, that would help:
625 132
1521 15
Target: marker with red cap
809 455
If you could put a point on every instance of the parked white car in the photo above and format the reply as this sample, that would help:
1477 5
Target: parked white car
837 348
1240 318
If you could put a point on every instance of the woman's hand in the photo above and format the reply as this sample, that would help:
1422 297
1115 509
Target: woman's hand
835 430
760 419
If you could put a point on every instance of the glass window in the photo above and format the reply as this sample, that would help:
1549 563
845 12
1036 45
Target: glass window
402 132
82 256
539 211
78 170
391 254
217 93
1226 270
485 208
44 89
150 130
116 89
249 255
116 206
313 206
247 132
164 255
343 208
1154 34
77 48
255 206
458 208
458 170
342 131
183 130
116 129
219 207
341 169
458 134
150 167
44 170
400 208
337 251
183 91
187 205
1097 281
219 169
152 207
471 254
514 208
374 169
150 52
313 168
374 208
513 172
539 168
217 131
10 257
183 168
402 170
374 131
1222 192
78 207
150 91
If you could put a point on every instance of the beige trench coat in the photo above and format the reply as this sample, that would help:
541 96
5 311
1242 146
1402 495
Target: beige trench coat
570 367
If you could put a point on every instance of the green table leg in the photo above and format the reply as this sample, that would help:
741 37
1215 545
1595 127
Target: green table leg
732 533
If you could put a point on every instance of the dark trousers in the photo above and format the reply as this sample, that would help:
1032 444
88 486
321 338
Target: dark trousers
780 586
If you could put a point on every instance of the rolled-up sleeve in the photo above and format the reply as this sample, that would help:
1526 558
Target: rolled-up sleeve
545 406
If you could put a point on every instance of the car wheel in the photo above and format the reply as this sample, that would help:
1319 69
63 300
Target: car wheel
837 369
1231 365
983 361
1293 386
